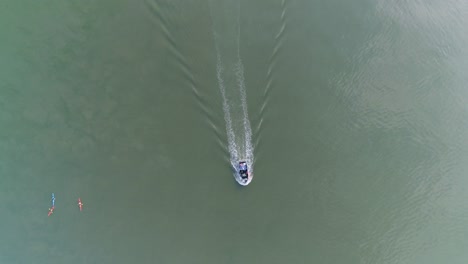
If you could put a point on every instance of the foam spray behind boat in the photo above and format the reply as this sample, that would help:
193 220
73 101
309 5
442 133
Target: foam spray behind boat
243 150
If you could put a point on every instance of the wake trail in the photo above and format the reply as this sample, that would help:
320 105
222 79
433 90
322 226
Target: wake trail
232 146
248 151
239 137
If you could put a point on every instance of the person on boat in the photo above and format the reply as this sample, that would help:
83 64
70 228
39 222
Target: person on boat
243 167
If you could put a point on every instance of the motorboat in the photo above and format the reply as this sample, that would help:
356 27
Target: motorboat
243 174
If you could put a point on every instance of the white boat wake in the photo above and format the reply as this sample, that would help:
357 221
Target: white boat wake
243 150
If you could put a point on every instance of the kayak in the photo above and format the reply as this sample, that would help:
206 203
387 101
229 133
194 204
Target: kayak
80 204
51 211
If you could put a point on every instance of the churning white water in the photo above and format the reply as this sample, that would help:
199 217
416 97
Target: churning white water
239 145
